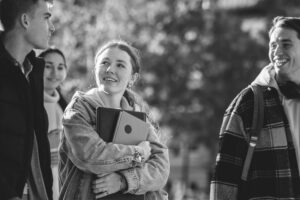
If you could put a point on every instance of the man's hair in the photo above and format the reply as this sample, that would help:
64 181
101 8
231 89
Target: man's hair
11 9
292 23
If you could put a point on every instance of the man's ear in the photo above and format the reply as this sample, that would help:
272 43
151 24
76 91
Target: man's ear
24 20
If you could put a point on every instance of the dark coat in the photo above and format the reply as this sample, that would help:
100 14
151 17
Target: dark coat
22 115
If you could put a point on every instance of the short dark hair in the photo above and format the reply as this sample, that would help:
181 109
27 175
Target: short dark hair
11 9
129 49
53 50
292 23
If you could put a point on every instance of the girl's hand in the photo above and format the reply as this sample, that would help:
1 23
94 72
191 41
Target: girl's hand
145 145
106 184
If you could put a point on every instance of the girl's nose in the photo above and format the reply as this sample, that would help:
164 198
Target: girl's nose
110 68
53 72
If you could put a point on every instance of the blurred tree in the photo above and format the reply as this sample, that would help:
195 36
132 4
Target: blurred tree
196 57
195 60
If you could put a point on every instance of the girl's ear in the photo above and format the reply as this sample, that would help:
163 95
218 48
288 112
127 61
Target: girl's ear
134 78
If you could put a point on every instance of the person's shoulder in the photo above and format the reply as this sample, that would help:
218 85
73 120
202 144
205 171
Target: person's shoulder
78 97
81 98
244 95
247 93
242 102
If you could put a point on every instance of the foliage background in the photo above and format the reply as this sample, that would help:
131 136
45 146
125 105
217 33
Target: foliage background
197 55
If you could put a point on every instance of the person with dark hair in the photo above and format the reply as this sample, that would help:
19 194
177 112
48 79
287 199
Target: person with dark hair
54 74
274 168
89 167
52 60
24 146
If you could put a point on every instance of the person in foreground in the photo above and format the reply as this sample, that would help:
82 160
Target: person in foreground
54 74
24 146
274 170
140 169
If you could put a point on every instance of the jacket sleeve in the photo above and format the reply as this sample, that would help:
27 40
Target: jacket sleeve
87 150
232 150
153 174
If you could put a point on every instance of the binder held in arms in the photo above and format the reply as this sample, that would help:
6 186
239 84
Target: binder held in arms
107 119
106 122
257 124
130 130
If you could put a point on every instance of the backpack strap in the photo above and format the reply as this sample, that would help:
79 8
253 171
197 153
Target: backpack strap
257 124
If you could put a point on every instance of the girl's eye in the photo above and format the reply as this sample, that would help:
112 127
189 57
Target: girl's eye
104 63
121 65
48 66
60 68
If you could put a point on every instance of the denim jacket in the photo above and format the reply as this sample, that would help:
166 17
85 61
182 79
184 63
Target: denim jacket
83 153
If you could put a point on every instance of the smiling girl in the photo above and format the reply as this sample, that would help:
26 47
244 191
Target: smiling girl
54 74
135 169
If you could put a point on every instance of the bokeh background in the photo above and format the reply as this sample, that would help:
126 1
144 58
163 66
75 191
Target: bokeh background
197 55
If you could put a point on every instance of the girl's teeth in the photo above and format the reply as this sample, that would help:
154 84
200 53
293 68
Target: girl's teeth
109 79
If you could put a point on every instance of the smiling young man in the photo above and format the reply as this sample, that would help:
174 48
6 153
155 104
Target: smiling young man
274 170
24 146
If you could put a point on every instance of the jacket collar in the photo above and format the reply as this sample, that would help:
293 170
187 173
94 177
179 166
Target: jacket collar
267 78
5 55
31 56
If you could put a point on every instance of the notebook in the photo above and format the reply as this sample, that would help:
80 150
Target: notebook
107 119
130 130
